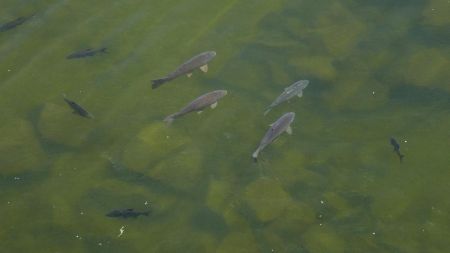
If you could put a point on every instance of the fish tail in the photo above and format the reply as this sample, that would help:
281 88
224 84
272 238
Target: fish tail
146 213
158 82
103 50
401 156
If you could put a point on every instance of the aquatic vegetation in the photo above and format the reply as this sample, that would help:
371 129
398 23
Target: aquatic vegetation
153 143
323 239
267 198
58 124
424 67
435 13
182 170
20 142
239 242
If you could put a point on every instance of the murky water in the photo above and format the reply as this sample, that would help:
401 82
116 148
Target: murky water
376 68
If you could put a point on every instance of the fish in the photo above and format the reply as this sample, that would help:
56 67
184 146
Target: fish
396 146
198 61
78 109
86 53
126 213
283 124
296 89
209 99
14 23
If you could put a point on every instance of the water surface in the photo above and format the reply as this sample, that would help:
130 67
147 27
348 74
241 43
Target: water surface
376 68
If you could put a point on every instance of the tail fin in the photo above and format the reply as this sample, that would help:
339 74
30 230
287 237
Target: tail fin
103 50
158 82
169 119
146 213
401 156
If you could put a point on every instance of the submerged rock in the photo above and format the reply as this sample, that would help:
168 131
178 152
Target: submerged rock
267 198
19 148
323 239
58 124
218 197
153 143
238 242
181 170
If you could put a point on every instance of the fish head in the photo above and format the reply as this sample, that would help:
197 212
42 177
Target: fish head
300 85
221 93
210 54
290 116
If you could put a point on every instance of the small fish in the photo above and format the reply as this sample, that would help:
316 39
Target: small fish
126 213
198 61
13 24
296 89
396 146
86 53
276 129
77 108
208 99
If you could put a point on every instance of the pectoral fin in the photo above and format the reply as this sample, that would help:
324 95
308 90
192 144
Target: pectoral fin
204 68
289 130
300 94
214 105
189 74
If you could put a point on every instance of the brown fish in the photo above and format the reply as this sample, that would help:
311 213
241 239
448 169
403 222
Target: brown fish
208 99
198 61
275 130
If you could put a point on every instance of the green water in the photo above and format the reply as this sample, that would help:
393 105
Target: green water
376 68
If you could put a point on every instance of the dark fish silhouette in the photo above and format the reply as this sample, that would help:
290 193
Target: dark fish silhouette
283 124
77 108
126 213
396 146
208 99
198 61
13 24
86 53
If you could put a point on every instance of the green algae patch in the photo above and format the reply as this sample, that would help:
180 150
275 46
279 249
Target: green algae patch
339 29
153 143
238 242
182 170
316 65
436 13
58 124
19 141
219 194
391 204
267 198
425 67
322 239
339 204
295 220
289 167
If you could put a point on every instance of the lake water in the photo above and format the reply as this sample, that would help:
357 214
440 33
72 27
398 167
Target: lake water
376 68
